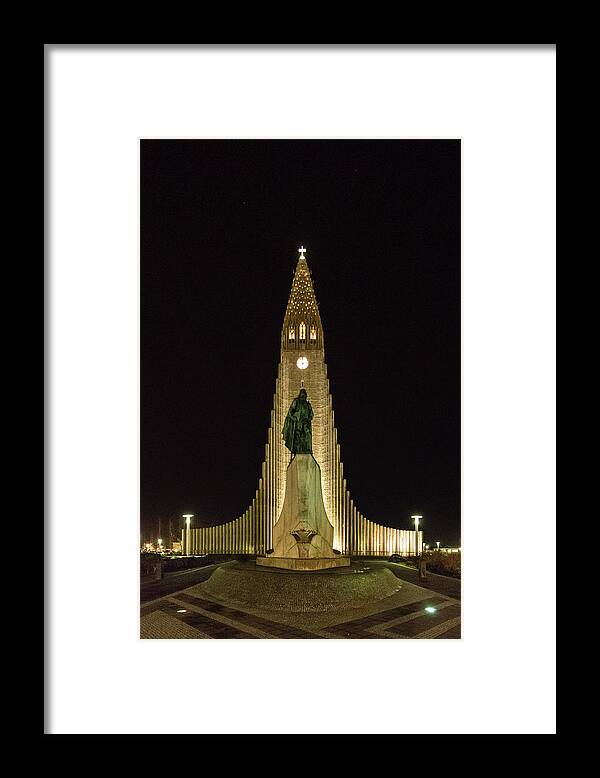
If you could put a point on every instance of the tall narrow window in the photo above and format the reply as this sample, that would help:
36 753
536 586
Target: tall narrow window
302 329
292 334
313 332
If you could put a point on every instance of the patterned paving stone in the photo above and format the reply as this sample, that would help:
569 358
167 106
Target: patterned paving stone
453 633
425 621
211 627
206 618
162 626
359 627
242 617
439 630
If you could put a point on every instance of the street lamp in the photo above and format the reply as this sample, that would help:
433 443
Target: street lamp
188 520
416 518
160 542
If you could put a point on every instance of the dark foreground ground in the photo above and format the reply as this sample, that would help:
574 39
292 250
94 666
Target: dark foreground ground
177 607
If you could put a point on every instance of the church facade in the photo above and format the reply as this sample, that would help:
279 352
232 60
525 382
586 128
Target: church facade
302 363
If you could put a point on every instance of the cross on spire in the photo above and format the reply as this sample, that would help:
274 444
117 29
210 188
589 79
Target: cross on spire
302 250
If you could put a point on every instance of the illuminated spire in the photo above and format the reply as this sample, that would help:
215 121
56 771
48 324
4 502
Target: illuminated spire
302 323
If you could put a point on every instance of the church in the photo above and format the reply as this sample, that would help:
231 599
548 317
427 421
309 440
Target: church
302 364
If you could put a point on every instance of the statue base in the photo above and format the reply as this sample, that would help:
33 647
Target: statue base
307 564
303 534
267 589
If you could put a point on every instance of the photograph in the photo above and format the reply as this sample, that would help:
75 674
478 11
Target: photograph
300 388
300 350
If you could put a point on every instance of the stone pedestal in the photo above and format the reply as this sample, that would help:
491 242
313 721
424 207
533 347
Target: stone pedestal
303 534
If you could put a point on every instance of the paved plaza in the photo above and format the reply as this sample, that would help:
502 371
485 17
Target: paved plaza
183 609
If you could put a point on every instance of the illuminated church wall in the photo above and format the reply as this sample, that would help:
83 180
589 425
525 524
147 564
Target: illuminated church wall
302 361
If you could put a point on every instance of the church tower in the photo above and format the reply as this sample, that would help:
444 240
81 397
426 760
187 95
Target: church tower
301 363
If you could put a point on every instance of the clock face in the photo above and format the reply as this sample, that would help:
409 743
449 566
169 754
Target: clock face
302 363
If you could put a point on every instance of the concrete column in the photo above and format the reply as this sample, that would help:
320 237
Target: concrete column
340 502
259 549
347 522
263 506
249 535
359 530
346 508
334 474
363 533
270 500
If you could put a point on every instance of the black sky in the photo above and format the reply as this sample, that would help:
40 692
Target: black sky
221 222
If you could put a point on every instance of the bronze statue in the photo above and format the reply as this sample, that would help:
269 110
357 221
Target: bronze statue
297 430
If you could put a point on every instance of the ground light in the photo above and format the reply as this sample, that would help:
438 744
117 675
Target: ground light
431 609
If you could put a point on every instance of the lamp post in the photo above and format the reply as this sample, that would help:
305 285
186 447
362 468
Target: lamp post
188 520
160 542
416 518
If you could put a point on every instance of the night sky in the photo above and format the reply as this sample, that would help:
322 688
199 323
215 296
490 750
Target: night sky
221 222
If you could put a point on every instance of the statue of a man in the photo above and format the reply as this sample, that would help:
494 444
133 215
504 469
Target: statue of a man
297 430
